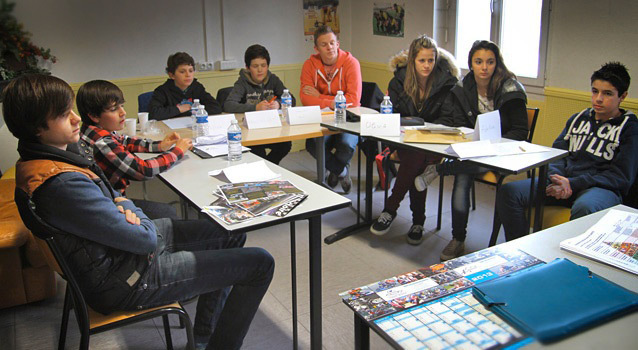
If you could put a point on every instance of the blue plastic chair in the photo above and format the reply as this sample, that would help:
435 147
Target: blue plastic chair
143 100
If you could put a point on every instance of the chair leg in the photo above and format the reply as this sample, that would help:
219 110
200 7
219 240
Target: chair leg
440 210
167 332
496 227
65 318
183 318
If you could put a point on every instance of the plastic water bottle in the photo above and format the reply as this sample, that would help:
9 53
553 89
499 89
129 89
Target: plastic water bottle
286 102
340 108
201 124
194 111
234 141
386 105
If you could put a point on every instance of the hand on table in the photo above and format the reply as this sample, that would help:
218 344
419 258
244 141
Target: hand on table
184 144
169 141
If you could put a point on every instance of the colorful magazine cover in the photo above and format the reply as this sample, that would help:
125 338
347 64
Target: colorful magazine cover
429 283
245 191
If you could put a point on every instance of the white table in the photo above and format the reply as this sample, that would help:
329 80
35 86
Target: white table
508 165
189 179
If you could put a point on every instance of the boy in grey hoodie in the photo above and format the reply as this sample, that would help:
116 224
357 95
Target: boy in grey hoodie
258 89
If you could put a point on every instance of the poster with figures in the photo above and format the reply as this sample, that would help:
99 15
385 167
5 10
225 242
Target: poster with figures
317 13
388 19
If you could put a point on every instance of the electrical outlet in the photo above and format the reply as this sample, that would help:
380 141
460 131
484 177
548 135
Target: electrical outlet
209 65
201 66
226 65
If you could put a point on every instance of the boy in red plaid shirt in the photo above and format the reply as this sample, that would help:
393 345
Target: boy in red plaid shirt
101 107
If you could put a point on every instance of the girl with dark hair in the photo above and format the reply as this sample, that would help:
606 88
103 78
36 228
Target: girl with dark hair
423 77
489 86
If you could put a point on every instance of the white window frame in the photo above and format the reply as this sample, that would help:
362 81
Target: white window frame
447 12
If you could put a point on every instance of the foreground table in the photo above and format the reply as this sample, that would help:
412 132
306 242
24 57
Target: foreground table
544 245
190 180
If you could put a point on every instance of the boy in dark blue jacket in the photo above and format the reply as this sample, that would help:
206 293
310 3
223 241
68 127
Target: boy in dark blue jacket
601 166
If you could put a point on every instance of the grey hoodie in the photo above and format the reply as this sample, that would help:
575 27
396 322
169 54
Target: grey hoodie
246 94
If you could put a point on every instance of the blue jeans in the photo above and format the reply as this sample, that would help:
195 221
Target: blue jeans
343 145
464 173
198 258
513 198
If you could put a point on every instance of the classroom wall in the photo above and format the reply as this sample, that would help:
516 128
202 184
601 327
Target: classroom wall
128 42
123 39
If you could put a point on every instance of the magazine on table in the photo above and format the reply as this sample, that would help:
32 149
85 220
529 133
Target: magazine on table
612 240
244 201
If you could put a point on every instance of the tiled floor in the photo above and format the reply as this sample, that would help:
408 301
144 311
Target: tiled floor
351 262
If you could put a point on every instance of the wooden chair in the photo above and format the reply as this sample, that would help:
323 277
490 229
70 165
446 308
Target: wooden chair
89 321
491 178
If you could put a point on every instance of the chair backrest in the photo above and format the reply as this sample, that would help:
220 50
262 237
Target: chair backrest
532 116
371 95
53 254
143 100
222 94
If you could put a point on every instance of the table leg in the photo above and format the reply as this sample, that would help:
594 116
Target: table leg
320 152
315 281
361 334
540 198
367 219
293 272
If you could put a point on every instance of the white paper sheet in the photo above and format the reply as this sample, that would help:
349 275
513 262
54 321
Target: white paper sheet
247 172
219 149
487 148
263 119
488 126
218 124
381 124
179 123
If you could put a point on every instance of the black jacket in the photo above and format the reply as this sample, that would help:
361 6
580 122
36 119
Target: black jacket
167 96
403 104
510 100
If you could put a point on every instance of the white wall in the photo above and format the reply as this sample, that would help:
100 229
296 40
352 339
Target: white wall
586 34
368 47
120 38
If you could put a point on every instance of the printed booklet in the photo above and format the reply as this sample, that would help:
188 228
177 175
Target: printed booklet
243 201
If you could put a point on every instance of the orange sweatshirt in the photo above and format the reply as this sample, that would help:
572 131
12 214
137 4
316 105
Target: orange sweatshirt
347 78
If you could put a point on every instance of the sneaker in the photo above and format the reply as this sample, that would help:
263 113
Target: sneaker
452 250
332 180
381 226
422 181
346 181
415 235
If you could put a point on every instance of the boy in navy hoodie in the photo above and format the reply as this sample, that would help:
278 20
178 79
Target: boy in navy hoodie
175 97
601 166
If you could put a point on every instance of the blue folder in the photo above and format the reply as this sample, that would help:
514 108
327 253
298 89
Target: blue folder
555 300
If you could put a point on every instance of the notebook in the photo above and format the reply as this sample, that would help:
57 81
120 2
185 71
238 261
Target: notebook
555 300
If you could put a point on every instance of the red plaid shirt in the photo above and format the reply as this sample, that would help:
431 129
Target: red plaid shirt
112 153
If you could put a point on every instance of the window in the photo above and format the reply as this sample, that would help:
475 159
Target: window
518 26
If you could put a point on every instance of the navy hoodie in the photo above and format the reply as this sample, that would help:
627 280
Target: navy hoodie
167 96
601 154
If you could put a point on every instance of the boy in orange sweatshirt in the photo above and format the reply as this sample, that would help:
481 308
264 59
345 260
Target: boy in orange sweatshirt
323 74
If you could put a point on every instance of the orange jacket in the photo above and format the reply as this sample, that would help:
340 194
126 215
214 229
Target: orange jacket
347 78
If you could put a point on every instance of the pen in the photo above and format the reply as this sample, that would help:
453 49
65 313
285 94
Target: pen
522 149
272 99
